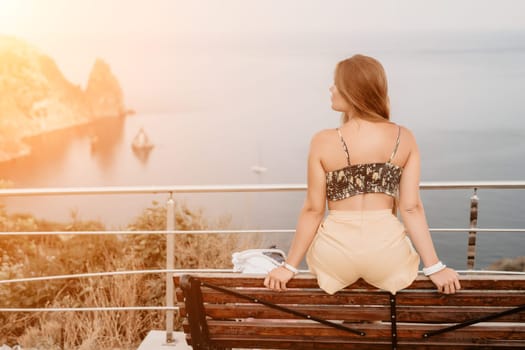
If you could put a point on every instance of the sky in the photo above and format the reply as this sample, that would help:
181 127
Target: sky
129 34
35 18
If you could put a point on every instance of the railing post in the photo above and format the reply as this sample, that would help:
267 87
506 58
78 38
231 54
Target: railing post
471 250
170 265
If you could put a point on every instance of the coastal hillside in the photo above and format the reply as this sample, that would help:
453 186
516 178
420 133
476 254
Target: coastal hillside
35 97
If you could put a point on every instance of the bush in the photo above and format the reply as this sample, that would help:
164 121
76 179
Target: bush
24 256
509 264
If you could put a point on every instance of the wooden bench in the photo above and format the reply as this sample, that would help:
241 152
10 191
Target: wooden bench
224 311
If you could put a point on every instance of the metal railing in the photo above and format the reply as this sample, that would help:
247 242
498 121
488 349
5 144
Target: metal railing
170 230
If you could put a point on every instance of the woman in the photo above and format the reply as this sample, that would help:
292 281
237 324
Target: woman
366 170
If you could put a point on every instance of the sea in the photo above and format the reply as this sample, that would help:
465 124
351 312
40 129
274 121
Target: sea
216 107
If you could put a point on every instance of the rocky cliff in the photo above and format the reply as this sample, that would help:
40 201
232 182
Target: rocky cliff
35 97
103 92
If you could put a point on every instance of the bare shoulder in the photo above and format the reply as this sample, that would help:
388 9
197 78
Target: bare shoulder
407 136
322 137
321 140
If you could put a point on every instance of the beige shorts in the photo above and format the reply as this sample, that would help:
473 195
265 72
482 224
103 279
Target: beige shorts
371 245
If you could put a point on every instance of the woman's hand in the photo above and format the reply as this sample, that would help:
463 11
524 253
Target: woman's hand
277 278
446 281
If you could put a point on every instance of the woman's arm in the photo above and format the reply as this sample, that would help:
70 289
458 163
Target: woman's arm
309 219
414 219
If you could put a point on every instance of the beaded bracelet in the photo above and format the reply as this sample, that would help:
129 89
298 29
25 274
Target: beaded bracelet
289 267
434 268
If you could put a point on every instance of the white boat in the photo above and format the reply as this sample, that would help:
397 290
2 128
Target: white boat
258 169
141 142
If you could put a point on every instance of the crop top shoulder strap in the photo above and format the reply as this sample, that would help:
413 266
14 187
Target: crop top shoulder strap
396 146
344 146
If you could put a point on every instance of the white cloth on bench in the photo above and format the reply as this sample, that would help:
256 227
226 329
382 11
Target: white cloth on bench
257 261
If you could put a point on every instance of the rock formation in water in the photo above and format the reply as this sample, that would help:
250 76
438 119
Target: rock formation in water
103 91
35 97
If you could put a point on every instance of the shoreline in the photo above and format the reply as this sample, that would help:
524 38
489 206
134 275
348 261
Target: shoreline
16 148
22 150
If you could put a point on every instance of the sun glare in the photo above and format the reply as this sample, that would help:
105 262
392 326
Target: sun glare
11 13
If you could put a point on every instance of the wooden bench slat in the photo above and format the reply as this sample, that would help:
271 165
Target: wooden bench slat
461 298
453 314
349 297
239 342
329 312
380 331
284 343
299 297
336 345
343 343
306 280
490 345
361 313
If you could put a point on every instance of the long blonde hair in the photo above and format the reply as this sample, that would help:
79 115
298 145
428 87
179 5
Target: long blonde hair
361 81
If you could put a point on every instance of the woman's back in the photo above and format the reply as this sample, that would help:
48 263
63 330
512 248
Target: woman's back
360 168
366 143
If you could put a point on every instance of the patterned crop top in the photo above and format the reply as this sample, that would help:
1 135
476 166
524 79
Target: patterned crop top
364 178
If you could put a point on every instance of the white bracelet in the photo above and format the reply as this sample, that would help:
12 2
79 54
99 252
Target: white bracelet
434 268
289 267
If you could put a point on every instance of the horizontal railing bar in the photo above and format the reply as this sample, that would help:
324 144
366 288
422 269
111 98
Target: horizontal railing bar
153 232
107 308
193 232
149 189
465 185
177 271
477 229
491 272
233 188
111 273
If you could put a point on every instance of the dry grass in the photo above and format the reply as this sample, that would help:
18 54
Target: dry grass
103 329
95 330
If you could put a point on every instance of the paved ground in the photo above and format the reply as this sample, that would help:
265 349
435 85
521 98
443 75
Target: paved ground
156 340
